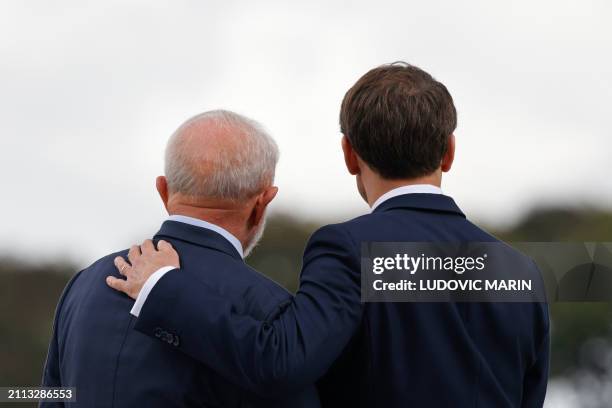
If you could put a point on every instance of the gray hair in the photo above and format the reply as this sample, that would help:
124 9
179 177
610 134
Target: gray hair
234 168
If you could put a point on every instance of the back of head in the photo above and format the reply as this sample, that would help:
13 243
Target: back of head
398 120
220 155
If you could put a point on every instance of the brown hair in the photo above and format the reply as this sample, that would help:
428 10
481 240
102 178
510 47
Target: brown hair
398 119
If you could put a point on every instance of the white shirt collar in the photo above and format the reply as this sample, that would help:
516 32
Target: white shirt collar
203 224
411 189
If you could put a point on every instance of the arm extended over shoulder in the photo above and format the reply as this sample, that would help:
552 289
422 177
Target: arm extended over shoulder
283 353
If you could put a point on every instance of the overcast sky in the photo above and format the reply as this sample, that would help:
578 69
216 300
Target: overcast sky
90 92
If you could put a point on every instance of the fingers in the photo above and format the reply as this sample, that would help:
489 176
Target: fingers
117 284
164 246
169 253
121 265
147 246
134 253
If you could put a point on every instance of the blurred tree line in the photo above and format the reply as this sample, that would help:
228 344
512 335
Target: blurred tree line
582 335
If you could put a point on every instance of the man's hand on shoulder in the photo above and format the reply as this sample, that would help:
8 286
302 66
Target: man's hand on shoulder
144 261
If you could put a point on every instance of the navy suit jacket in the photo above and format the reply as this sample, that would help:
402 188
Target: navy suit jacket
375 354
95 349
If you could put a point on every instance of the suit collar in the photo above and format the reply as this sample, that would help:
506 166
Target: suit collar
421 201
197 235
207 225
407 189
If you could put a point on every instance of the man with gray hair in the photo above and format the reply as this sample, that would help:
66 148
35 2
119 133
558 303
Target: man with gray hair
219 170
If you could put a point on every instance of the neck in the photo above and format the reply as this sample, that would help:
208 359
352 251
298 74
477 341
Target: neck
230 217
375 186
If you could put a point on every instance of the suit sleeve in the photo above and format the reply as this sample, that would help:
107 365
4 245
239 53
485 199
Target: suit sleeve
274 356
51 372
536 378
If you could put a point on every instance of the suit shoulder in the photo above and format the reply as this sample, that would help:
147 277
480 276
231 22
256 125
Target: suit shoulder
370 220
462 228
331 238
101 264
346 233
337 231
66 292
104 265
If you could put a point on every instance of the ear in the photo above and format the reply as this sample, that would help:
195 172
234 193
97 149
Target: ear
261 203
449 156
162 188
350 157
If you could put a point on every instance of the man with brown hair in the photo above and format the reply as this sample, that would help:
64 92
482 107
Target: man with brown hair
398 125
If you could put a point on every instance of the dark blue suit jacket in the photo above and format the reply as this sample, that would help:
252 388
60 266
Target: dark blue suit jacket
375 354
95 349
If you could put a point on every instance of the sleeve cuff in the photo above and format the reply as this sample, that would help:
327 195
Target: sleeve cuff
147 287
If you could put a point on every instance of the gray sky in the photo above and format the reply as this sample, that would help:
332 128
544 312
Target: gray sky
89 93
